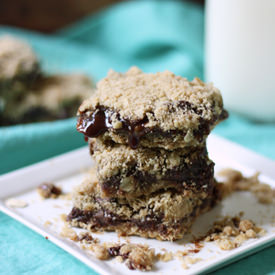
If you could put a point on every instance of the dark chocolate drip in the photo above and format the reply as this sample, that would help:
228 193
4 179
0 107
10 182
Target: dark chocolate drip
136 131
100 122
96 125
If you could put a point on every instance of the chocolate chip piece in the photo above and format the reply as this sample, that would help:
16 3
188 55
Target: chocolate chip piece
48 190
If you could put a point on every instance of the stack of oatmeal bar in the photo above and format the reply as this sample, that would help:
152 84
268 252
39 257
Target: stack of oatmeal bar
147 135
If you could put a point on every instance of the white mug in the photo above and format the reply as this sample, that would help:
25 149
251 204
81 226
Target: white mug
240 55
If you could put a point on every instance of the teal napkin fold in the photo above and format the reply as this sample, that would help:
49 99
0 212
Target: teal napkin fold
154 35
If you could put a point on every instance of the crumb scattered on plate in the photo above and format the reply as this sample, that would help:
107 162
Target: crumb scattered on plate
231 232
67 196
136 256
187 261
16 203
47 223
68 232
235 181
48 190
165 256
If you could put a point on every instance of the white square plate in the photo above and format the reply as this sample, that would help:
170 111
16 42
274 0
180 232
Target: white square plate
69 169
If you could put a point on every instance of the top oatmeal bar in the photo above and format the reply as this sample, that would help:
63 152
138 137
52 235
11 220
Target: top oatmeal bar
19 67
50 97
17 59
153 110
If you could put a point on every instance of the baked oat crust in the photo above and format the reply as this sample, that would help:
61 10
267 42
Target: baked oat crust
165 215
161 109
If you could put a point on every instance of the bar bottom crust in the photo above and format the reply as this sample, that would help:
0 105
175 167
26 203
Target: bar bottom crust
164 215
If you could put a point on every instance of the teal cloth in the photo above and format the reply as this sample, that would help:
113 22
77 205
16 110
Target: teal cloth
154 35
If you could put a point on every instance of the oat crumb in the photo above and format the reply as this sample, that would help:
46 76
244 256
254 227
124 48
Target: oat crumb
231 232
165 257
136 256
228 230
87 238
187 261
67 232
119 259
63 217
179 254
235 181
250 233
67 196
262 232
240 239
100 252
47 223
225 244
16 203
246 225
48 190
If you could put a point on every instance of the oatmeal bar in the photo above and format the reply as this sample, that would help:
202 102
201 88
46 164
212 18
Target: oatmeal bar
17 60
19 67
123 171
164 215
49 98
153 110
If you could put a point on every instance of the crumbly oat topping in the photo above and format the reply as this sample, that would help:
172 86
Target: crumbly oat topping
16 57
235 181
16 203
136 95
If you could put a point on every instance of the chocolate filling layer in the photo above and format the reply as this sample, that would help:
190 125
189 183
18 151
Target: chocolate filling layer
197 178
102 218
100 122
